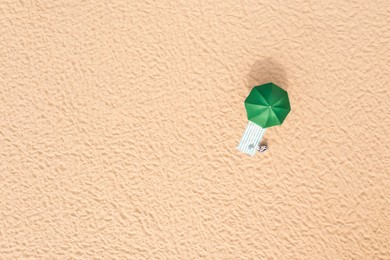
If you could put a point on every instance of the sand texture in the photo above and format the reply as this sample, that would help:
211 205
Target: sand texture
119 122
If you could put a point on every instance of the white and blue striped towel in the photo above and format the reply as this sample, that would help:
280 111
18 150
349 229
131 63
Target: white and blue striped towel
251 138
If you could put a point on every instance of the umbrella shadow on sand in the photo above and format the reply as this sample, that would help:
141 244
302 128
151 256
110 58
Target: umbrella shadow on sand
264 71
267 70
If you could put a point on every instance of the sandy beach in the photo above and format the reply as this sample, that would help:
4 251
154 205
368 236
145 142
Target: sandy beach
120 121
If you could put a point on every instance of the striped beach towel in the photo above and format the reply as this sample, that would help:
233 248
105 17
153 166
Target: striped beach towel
251 138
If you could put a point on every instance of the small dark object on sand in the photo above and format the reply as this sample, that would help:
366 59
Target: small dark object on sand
262 148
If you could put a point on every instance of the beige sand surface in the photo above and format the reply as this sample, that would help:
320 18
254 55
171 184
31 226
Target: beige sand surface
119 123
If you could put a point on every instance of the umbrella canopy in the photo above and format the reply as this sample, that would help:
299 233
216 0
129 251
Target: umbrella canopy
267 105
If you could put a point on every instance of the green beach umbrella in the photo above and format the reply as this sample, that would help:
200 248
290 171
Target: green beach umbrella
267 105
